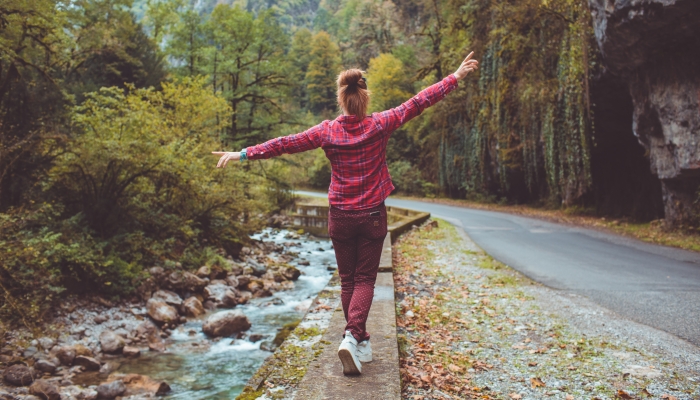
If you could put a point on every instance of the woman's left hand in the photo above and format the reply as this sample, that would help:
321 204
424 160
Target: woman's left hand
226 156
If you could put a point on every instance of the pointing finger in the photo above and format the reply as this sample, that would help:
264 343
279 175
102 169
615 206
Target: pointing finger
469 57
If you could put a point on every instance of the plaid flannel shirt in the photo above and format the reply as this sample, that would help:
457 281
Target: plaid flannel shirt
356 148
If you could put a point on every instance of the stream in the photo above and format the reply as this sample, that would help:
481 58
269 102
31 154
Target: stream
197 367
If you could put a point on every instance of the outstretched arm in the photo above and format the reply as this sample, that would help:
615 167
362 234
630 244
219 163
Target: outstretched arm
304 141
394 118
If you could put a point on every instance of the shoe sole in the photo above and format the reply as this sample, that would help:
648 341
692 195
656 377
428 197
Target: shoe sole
349 367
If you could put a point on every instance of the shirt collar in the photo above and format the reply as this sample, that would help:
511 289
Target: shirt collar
348 118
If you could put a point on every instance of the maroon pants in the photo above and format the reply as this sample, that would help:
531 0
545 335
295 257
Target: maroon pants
358 237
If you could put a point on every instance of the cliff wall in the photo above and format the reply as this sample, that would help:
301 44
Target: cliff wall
654 47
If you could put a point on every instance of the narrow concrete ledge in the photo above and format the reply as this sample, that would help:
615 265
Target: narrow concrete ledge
380 379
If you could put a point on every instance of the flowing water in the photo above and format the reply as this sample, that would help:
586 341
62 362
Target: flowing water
197 367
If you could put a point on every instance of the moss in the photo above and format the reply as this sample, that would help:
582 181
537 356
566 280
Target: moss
307 333
284 333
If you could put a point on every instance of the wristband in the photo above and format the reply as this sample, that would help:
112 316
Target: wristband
244 154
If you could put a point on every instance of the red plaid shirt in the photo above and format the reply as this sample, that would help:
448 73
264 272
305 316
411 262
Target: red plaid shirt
356 148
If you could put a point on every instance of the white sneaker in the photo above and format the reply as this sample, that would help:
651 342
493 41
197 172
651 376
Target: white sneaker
347 352
364 351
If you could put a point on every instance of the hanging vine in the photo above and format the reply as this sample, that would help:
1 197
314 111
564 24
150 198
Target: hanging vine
522 130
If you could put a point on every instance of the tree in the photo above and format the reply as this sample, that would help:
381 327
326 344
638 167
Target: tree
186 44
322 73
390 83
299 59
108 48
245 59
32 103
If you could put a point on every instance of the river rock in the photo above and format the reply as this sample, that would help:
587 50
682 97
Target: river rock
109 367
157 346
111 390
18 375
169 297
131 351
258 268
235 269
147 329
46 343
140 385
243 282
89 363
65 354
244 296
291 273
232 281
192 307
186 281
161 312
226 323
73 392
203 271
221 294
44 390
156 272
81 350
45 365
111 342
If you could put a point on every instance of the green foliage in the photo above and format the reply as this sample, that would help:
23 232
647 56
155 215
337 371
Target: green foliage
108 48
320 171
136 189
299 59
389 82
246 65
323 69
407 179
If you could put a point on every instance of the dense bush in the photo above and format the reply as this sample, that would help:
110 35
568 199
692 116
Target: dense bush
136 188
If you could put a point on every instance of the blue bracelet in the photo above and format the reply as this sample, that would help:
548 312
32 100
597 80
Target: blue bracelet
244 154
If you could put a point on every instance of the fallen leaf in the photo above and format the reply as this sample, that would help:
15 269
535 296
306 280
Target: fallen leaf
537 382
668 397
454 368
621 394
572 368
646 392
532 364
569 397
515 396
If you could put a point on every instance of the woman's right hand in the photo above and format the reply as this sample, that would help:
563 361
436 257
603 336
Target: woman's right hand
468 65
226 156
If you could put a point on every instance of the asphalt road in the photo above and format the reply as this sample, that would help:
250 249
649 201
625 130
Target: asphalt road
653 285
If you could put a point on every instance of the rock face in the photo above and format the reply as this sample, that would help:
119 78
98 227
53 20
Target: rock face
161 311
18 375
111 342
652 45
226 323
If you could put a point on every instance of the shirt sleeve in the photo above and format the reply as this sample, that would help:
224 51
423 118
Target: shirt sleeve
392 119
304 141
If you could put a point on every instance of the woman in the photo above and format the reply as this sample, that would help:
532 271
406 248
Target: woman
355 144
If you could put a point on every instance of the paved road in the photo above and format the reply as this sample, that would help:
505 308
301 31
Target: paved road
654 285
